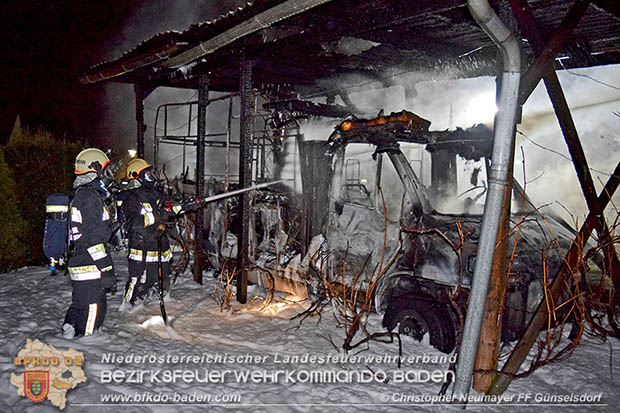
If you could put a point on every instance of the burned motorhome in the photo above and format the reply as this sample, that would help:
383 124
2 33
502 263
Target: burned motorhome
374 206
379 230
425 258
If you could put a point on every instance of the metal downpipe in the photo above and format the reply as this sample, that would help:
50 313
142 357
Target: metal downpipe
508 103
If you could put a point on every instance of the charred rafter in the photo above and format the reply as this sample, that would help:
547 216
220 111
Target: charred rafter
382 131
301 109
472 144
611 6
424 35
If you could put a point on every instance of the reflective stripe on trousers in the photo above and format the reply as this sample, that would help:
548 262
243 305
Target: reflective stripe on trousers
92 318
151 256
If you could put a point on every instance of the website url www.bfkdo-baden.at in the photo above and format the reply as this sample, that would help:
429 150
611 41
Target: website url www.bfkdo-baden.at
152 398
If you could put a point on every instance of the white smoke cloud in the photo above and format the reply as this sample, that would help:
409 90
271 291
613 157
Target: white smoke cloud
592 106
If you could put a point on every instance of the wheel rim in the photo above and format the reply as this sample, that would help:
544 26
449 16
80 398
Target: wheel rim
412 324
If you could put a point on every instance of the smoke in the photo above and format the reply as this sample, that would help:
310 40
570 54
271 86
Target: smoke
545 153
453 103
146 19
544 167
351 46
447 102
550 178
318 129
150 17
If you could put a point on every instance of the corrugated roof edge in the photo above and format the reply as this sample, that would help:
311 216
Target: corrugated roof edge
164 45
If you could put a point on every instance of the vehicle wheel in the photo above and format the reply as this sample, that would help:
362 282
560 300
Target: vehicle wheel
412 324
417 315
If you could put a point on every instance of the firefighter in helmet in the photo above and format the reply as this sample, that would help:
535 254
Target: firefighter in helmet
90 265
149 249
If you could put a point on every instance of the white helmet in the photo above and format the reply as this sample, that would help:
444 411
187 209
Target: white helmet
135 167
91 160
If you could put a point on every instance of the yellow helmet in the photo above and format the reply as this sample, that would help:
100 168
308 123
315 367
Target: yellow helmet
91 160
135 166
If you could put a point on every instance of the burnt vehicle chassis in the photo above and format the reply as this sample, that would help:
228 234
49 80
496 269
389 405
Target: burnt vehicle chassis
425 290
425 258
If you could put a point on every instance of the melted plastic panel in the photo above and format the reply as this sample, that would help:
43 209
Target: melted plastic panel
356 242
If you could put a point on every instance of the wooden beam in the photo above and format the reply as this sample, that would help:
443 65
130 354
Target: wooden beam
502 381
558 41
612 265
203 102
245 177
596 205
491 331
554 89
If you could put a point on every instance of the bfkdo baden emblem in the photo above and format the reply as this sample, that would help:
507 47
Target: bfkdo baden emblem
48 373
36 384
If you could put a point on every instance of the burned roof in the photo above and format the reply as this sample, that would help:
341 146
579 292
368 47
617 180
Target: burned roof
323 45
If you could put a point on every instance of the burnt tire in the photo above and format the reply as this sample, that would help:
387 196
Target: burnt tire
417 315
412 324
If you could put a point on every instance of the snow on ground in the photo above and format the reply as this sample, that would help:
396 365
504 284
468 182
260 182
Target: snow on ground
33 305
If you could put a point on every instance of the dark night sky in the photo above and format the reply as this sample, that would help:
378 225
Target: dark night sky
48 44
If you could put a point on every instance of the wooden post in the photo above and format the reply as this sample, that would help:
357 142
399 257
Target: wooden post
203 101
245 177
491 330
554 89
502 381
306 190
141 92
140 126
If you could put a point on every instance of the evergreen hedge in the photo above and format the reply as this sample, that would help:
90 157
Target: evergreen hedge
39 165
13 246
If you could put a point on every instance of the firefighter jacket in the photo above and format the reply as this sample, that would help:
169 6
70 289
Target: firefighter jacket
119 197
142 209
90 230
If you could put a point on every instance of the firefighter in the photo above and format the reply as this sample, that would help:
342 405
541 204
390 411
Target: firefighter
143 208
90 265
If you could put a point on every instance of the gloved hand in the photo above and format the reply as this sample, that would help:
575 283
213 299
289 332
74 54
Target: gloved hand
192 206
108 281
111 290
